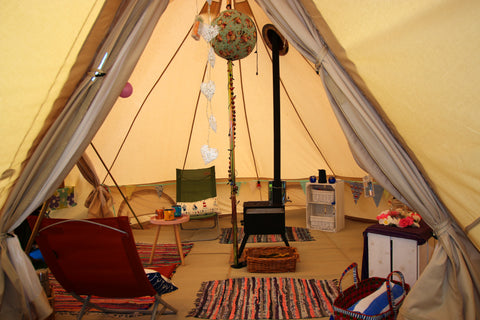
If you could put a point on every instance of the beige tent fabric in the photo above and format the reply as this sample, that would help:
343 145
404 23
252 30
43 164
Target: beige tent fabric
456 262
39 67
63 144
21 294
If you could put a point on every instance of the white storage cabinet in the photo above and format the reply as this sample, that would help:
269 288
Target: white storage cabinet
388 253
325 206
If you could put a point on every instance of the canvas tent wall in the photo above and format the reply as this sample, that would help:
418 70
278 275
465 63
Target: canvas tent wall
381 61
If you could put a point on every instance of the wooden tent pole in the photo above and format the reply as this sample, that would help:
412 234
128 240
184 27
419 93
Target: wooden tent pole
233 185
118 187
41 215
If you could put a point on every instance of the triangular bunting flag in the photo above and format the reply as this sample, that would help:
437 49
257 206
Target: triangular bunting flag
159 190
303 184
378 194
129 190
239 184
357 190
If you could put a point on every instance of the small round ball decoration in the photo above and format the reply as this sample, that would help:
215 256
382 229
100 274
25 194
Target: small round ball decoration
127 90
237 35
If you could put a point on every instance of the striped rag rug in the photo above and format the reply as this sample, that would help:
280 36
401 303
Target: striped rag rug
265 298
292 233
165 254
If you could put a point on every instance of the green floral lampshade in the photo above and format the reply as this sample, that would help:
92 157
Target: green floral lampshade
237 35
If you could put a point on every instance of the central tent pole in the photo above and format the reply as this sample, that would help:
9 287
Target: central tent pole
231 170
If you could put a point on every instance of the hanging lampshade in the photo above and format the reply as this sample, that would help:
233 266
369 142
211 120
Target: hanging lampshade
237 35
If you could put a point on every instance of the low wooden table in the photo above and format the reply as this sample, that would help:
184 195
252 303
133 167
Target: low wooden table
175 223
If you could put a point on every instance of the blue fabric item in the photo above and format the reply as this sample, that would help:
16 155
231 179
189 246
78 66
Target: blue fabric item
36 254
160 283
377 302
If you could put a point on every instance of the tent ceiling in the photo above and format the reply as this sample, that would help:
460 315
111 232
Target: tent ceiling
163 125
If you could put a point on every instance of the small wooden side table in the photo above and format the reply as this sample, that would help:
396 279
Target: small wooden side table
175 223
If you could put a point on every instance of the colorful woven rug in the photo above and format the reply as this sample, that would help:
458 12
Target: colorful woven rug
293 234
165 254
265 298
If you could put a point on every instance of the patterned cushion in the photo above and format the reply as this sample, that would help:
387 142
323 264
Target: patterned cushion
160 283
377 302
63 198
199 207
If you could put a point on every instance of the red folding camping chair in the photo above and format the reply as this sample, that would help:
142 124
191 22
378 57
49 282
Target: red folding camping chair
98 257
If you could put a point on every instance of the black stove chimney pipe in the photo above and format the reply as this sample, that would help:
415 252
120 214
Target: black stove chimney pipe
277 181
279 46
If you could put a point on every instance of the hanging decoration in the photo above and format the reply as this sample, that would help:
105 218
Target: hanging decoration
211 57
368 186
208 89
208 32
208 154
196 29
357 190
127 90
213 123
237 35
159 190
378 194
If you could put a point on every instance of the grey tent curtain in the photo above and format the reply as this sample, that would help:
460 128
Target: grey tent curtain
449 286
21 294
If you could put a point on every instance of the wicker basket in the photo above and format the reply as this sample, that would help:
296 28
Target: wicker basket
271 259
323 196
360 290
322 223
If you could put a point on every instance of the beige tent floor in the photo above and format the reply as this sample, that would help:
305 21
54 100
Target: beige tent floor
324 258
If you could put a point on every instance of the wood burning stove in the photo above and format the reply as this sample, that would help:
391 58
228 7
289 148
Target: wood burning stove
268 217
261 217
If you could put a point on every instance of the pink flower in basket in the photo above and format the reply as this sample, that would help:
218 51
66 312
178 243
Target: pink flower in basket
416 217
405 222
399 218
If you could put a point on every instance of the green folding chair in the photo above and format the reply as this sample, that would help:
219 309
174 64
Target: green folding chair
196 189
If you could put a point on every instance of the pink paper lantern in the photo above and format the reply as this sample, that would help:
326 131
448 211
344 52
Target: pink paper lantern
127 90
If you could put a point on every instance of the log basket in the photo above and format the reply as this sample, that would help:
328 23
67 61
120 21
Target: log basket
271 259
